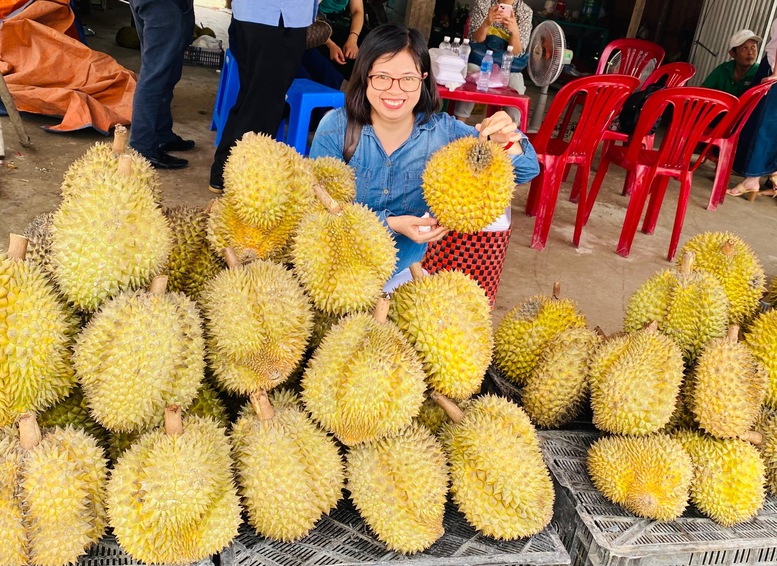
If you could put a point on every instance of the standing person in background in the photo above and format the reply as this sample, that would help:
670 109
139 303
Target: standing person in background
492 27
757 151
736 76
165 29
269 37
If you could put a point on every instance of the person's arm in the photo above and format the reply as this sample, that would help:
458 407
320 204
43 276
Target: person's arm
335 53
493 16
351 47
329 139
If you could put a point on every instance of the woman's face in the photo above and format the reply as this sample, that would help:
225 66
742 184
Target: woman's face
394 104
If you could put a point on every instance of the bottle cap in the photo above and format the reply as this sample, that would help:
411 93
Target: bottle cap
456 39
466 41
447 38
509 48
489 52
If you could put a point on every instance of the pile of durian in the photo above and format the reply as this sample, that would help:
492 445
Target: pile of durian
166 372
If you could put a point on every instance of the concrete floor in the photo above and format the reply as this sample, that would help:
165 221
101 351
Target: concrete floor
593 274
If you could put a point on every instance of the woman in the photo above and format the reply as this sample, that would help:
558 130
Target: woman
756 151
393 97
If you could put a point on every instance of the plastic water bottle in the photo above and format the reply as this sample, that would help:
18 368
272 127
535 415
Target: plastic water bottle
446 43
464 52
455 47
507 63
485 70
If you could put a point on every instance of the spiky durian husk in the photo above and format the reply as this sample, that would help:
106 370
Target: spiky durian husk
399 485
74 411
110 238
35 334
447 319
648 475
771 293
343 260
558 388
178 487
690 308
683 417
336 177
192 261
729 386
141 352
258 323
52 497
290 472
728 480
100 159
498 477
38 234
524 331
740 272
767 425
432 416
364 381
227 230
267 183
468 184
635 380
761 338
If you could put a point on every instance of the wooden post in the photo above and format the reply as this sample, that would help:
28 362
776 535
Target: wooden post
636 18
419 14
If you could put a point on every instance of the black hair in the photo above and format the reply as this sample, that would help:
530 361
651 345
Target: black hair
390 39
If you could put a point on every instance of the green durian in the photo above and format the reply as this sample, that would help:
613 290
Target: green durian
761 339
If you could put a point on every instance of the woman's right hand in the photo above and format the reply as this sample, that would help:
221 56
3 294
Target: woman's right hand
494 15
414 228
335 53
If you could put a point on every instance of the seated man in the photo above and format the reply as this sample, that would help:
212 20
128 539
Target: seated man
736 76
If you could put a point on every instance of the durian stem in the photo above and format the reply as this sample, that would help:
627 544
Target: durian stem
447 405
29 431
231 257
329 203
417 271
17 246
209 206
381 309
653 326
728 247
158 285
125 165
687 264
173 420
556 289
753 437
262 405
599 332
733 334
120 136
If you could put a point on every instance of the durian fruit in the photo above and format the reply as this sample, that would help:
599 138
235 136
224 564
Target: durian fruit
728 481
258 322
690 306
468 184
108 236
729 386
336 177
52 494
635 380
524 332
761 338
432 416
557 390
343 256
771 293
447 318
648 475
399 484
74 411
171 496
192 261
35 335
498 478
767 427
290 472
38 234
365 380
141 352
731 260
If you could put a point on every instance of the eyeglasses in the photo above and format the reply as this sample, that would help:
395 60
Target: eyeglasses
406 84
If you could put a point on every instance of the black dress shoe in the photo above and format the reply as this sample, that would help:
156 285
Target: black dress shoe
179 144
216 188
162 160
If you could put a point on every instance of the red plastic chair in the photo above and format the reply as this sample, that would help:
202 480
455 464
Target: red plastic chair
602 97
635 56
694 109
727 142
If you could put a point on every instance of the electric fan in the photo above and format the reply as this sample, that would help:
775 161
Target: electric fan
546 59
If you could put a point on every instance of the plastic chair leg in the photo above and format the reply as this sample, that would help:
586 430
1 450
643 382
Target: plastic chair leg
583 173
535 190
722 176
547 204
679 218
657 192
604 164
643 179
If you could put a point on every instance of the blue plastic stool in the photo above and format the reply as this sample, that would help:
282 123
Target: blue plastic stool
303 96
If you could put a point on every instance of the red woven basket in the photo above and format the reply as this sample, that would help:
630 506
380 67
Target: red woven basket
481 255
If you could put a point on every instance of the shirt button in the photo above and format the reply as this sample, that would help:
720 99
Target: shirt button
385 191
388 163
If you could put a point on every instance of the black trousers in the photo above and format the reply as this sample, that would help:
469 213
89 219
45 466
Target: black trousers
267 58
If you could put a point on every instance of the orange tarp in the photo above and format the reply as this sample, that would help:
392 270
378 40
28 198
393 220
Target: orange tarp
50 73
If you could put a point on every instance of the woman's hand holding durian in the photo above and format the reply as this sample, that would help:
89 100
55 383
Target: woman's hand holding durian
501 129
422 230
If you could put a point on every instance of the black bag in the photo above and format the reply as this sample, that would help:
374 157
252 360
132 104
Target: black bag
627 119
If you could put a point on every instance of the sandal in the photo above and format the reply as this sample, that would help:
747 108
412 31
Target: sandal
741 191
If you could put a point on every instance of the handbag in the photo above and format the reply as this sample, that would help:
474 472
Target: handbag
317 34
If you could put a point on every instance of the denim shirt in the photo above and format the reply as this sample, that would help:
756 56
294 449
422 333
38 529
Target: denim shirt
296 13
391 185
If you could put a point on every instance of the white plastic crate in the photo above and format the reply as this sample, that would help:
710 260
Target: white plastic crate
597 532
107 552
343 538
